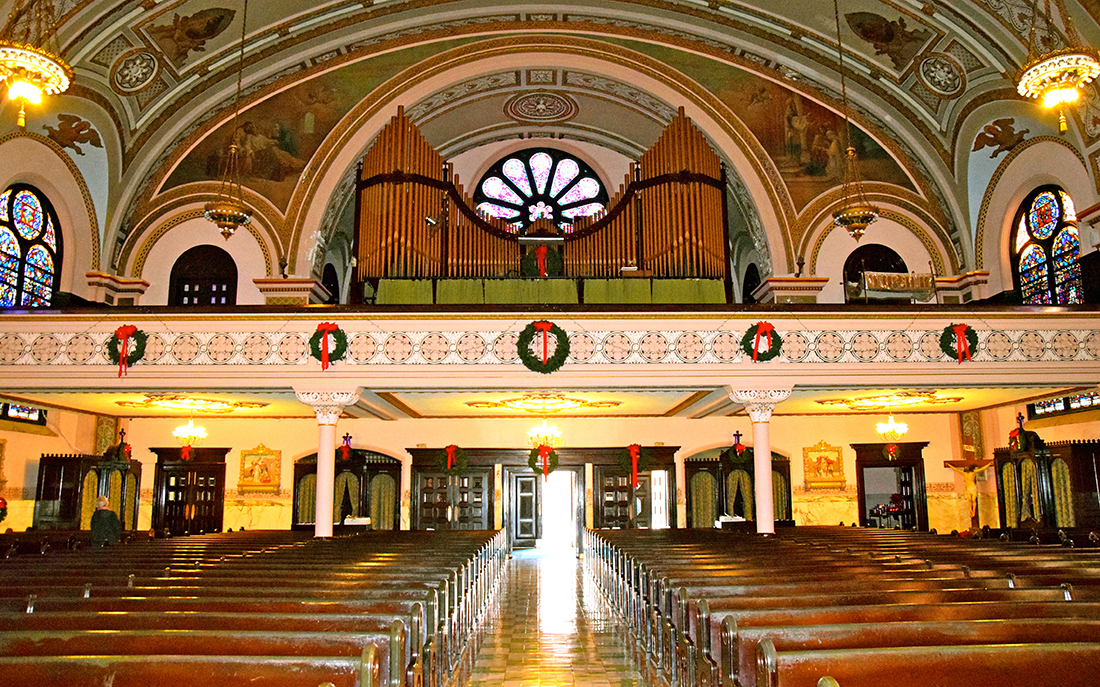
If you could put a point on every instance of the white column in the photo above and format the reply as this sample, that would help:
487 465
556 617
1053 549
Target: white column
328 405
759 403
406 492
680 475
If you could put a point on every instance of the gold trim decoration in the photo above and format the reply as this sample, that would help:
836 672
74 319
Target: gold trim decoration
900 399
260 471
189 403
823 466
543 404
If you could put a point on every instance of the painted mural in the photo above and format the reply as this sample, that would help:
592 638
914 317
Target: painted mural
803 138
278 136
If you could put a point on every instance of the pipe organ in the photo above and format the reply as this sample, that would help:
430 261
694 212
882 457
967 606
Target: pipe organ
414 220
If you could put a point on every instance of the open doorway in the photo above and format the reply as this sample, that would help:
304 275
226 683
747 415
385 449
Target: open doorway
559 511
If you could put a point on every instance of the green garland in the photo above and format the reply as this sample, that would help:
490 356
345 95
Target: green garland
461 461
533 362
947 342
529 263
135 348
748 341
535 463
337 353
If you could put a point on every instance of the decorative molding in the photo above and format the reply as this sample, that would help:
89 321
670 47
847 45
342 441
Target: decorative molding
759 403
328 405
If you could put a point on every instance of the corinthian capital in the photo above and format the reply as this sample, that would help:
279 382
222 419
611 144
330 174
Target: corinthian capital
758 402
328 404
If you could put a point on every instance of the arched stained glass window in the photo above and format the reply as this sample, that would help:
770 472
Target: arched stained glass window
1046 247
540 183
30 248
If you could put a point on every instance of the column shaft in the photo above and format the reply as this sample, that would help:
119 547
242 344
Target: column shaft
326 479
762 466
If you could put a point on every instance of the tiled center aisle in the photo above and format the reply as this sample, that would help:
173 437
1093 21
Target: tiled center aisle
550 626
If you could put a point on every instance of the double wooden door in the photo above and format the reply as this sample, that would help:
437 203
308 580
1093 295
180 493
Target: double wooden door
189 495
618 504
455 502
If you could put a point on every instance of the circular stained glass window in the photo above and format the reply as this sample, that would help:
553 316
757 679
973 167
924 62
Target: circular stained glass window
1044 215
28 215
540 183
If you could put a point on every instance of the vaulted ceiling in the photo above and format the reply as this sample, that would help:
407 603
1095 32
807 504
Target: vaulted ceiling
157 79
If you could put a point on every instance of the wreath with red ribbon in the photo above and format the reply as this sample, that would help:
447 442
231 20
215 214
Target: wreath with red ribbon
318 344
959 341
3 508
544 363
635 459
452 460
543 459
543 261
127 339
762 332
736 453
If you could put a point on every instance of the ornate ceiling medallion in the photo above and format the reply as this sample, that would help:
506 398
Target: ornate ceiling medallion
543 403
541 107
942 75
900 399
134 71
188 403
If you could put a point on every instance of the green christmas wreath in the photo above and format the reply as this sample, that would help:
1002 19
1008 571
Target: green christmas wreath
135 347
459 462
947 342
339 338
3 508
534 362
529 264
645 457
535 462
767 333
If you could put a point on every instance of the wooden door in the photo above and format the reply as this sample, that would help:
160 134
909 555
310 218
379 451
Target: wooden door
618 505
455 502
526 510
189 495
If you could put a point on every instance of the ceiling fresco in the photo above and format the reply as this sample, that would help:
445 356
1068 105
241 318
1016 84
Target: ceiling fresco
277 136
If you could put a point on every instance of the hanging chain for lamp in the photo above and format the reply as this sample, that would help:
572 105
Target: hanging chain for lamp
856 210
30 62
1055 76
228 210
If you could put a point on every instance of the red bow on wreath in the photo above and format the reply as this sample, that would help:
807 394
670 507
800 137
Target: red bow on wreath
325 328
962 346
451 456
540 255
544 454
635 453
185 452
345 448
762 328
124 333
544 327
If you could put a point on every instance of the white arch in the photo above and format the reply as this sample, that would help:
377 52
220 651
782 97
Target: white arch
1031 165
61 184
358 129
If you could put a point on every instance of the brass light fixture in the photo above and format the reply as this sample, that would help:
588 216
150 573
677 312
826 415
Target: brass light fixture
545 435
891 430
228 210
1056 76
189 435
856 211
29 61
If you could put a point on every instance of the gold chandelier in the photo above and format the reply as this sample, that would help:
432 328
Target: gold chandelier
1055 77
189 434
29 64
856 211
892 431
545 435
228 210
